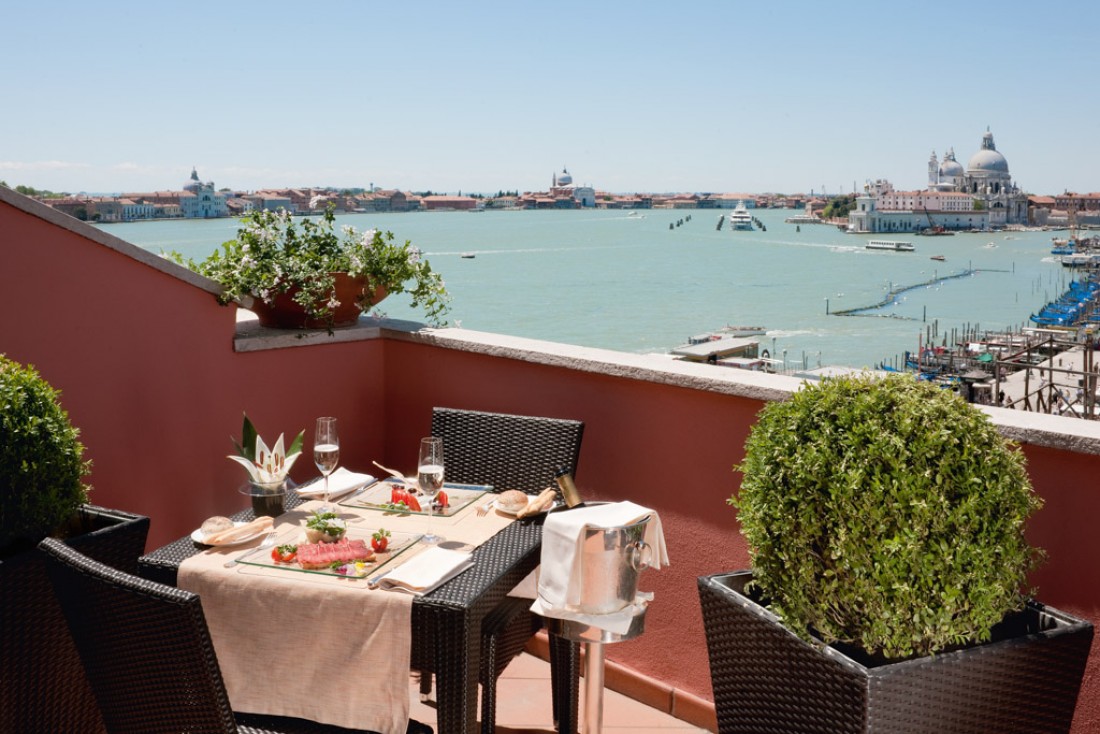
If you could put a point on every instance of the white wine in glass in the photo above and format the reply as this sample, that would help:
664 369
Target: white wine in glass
429 477
326 452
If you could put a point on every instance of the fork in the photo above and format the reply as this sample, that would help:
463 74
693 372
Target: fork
483 509
267 543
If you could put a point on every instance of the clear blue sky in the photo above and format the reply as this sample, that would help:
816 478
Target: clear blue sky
631 96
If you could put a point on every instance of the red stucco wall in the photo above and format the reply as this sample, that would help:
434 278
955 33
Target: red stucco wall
146 367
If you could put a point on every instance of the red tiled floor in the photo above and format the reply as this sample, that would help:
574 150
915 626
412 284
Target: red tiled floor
523 705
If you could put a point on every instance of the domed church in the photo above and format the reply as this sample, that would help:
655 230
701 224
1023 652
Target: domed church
979 197
986 179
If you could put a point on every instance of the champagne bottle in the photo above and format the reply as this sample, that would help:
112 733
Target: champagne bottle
569 491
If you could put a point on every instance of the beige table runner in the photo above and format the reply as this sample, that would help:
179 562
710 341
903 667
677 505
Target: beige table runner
327 649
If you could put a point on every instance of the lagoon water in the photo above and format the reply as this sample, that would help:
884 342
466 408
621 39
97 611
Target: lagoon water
606 278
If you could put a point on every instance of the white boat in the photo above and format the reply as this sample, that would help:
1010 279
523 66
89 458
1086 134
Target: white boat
806 217
892 245
740 217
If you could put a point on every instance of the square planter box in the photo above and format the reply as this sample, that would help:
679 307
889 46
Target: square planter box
44 687
767 679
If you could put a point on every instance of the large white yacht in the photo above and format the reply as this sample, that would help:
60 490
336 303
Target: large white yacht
740 217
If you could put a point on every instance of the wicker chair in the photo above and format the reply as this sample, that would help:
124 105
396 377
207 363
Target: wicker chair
44 687
511 452
148 654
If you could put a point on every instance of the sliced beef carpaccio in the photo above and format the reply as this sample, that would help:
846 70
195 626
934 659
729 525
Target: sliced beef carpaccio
323 555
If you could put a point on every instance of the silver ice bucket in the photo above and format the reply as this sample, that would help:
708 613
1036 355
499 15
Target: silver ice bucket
611 560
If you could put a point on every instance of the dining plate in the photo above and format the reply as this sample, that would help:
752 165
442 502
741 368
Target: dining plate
512 513
379 496
199 536
399 542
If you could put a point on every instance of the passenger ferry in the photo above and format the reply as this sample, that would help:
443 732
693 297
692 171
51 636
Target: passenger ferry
892 245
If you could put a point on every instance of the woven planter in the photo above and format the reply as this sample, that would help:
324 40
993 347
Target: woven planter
766 679
42 683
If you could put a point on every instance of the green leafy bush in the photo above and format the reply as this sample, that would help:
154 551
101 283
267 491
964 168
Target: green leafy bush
272 254
41 459
886 513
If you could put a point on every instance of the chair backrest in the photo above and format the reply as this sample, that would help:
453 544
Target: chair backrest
507 451
145 647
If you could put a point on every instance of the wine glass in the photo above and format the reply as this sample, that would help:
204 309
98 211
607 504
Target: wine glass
326 452
429 476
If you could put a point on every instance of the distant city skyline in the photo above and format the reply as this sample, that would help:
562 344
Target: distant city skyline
707 96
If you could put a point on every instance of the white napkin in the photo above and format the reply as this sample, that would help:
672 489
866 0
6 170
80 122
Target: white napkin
340 482
561 580
424 572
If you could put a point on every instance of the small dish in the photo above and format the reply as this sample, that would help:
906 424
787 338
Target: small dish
199 536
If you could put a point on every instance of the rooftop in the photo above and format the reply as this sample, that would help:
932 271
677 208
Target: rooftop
133 340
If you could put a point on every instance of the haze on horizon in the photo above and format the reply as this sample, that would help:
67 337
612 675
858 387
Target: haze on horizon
644 96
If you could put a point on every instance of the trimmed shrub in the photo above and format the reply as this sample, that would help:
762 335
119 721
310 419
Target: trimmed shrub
41 459
885 513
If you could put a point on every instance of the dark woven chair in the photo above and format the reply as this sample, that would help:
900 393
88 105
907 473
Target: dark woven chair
148 654
511 452
44 688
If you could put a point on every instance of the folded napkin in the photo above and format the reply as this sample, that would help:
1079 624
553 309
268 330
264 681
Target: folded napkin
340 482
561 576
618 622
425 571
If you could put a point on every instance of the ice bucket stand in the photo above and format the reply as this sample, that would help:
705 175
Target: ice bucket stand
594 638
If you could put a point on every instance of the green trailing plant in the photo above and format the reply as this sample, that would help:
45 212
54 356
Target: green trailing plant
42 465
272 254
885 513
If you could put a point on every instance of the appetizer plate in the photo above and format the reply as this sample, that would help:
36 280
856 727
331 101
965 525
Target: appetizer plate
399 542
199 536
380 495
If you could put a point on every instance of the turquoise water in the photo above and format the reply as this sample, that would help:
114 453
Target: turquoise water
607 279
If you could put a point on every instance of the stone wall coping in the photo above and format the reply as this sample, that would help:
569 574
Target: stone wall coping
101 237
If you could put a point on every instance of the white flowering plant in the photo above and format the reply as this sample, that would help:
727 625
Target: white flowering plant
272 254
267 467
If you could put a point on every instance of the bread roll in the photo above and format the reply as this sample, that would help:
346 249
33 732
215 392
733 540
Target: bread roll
216 524
512 501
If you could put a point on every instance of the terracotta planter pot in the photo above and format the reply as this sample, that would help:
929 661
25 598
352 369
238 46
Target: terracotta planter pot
286 313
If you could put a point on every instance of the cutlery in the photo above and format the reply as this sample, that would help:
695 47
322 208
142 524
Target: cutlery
395 474
268 542
483 509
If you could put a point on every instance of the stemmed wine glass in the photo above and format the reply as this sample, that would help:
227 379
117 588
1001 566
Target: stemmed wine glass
326 452
429 476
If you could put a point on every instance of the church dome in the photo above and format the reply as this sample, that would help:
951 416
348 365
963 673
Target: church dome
193 184
987 160
951 167
564 179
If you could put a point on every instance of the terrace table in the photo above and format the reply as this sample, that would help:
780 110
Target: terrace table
447 622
